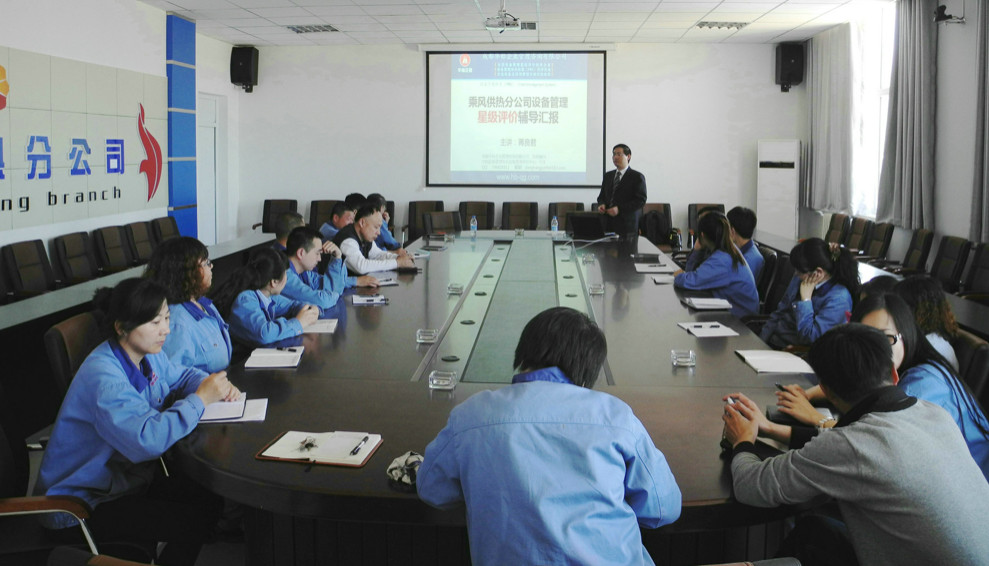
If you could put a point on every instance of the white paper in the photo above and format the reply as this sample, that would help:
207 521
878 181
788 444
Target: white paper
772 361
662 279
387 282
333 447
704 304
322 326
254 410
420 254
275 357
707 329
225 410
658 267
369 300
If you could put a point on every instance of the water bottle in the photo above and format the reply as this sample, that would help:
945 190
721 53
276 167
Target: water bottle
554 225
473 227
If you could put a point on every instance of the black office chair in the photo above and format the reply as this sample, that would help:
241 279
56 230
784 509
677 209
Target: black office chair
949 263
67 345
560 210
483 211
916 255
837 229
74 259
442 222
768 276
515 215
973 361
141 240
112 249
320 212
656 224
693 209
976 286
164 228
877 245
269 213
416 227
858 234
28 271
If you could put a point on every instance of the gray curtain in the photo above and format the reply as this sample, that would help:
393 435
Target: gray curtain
828 171
979 231
906 181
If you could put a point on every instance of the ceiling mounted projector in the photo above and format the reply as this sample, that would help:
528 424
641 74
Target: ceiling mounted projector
505 21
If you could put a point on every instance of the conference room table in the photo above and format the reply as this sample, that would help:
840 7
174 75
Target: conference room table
370 375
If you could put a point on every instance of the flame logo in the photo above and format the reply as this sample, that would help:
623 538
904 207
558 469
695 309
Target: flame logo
4 88
152 165
465 60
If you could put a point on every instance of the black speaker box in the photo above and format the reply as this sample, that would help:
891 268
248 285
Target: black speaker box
789 64
244 67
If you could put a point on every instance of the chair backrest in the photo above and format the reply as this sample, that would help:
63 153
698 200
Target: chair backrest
440 222
67 345
416 209
320 212
142 243
919 249
74 259
837 229
877 246
523 215
978 272
694 209
112 249
28 269
769 269
164 228
484 211
390 207
784 273
656 223
560 210
272 208
858 233
14 462
949 263
973 360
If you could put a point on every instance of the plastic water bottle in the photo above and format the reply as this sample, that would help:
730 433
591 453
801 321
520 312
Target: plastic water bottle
554 225
473 227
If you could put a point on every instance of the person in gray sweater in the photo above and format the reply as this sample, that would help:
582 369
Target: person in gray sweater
898 468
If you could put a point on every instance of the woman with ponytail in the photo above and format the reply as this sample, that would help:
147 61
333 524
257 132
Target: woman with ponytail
720 268
251 302
825 279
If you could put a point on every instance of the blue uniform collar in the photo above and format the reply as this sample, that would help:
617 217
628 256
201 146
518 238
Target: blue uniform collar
747 246
139 378
551 374
196 312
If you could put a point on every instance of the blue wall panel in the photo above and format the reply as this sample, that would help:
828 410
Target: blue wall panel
181 134
186 219
180 40
181 183
181 87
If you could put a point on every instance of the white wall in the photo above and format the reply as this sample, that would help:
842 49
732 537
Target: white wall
117 33
327 121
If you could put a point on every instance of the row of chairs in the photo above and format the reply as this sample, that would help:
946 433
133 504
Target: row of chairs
79 257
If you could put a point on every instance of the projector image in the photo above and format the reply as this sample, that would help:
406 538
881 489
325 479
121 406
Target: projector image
502 22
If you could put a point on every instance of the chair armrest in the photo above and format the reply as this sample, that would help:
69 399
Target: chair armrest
39 440
45 504
256 226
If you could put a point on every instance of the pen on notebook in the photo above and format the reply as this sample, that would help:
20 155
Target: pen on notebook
287 349
359 446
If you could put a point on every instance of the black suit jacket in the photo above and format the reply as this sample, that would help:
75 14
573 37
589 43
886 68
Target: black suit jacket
629 196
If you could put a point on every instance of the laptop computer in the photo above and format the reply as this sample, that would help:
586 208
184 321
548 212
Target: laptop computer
586 226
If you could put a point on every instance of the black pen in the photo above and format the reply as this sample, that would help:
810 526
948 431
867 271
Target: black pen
780 387
359 446
286 349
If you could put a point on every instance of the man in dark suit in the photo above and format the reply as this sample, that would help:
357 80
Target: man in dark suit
623 193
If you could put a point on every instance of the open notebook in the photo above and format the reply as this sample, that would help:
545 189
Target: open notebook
340 448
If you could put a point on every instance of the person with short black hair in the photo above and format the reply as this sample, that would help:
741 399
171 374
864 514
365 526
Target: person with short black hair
305 250
385 239
285 223
879 285
551 471
127 405
341 215
362 255
720 268
906 486
743 221
355 201
622 195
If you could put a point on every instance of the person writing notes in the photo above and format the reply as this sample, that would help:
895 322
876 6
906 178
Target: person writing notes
362 255
126 406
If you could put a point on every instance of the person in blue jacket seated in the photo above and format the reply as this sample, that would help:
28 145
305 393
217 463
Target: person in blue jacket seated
385 240
250 299
826 278
920 370
305 250
551 471
341 216
720 268
198 337
933 313
127 405
743 221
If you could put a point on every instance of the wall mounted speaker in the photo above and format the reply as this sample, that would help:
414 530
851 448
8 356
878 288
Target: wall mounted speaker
789 65
244 67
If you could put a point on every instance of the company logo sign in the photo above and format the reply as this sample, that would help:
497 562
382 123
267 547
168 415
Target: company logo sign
4 88
151 166
465 60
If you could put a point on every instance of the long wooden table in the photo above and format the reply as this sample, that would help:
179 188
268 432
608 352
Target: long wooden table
368 376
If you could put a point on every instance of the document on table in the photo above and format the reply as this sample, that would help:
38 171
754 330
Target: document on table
275 357
322 326
225 410
254 410
662 279
655 268
387 282
703 304
420 254
370 300
772 361
340 448
707 329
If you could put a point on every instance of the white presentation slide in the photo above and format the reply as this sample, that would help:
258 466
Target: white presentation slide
516 119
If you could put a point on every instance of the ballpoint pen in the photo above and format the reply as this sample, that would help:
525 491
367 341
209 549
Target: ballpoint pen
359 446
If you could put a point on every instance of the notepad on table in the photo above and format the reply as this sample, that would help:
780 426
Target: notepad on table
662 279
370 300
655 268
420 254
254 410
275 357
772 361
387 282
707 329
339 448
706 304
322 326
225 410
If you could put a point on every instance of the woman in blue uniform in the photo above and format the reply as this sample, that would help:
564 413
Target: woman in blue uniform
126 406
819 296
720 267
199 336
251 301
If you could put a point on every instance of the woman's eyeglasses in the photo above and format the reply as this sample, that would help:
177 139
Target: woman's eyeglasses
893 338
207 263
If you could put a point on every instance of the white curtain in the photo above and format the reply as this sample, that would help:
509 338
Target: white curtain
906 183
979 231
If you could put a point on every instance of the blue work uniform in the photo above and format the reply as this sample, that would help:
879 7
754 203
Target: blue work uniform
734 283
385 240
801 322
198 338
753 257
257 319
311 288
